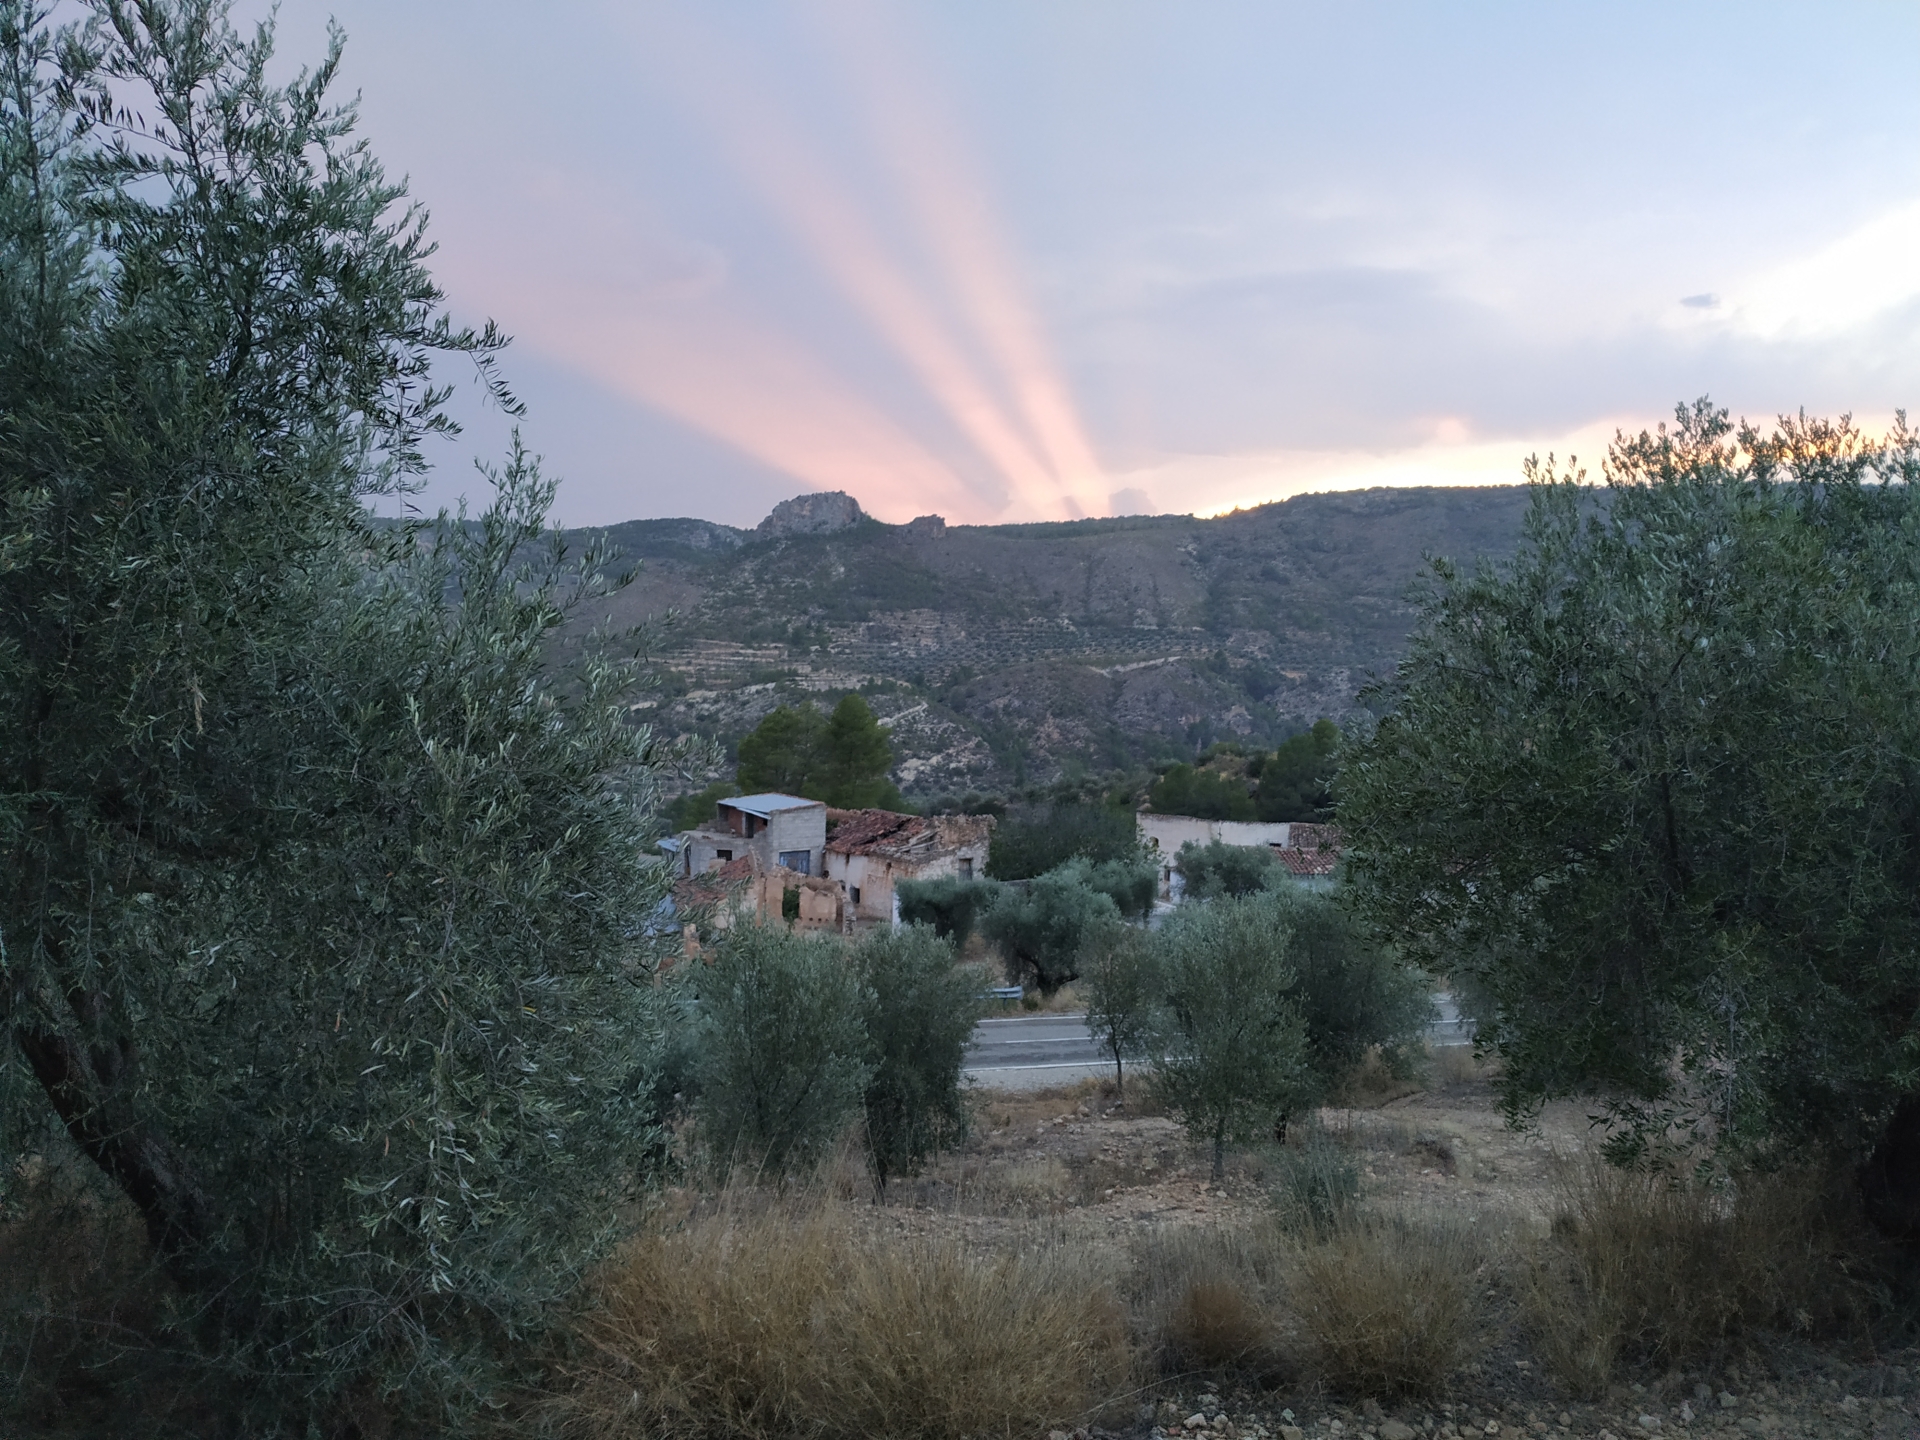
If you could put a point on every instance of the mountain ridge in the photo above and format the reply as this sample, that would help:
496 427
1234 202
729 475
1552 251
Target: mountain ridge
1004 655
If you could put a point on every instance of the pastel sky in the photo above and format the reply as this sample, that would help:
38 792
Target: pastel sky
1035 259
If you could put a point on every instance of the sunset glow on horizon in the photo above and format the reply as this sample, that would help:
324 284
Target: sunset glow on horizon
1004 263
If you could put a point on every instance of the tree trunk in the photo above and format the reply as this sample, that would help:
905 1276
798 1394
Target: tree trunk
81 1084
1890 1180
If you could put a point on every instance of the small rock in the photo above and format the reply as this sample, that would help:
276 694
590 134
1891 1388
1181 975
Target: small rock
1493 1427
1370 1408
1292 1432
1395 1430
1195 1421
1727 1400
1686 1413
1058 1435
1566 1417
1703 1393
1648 1423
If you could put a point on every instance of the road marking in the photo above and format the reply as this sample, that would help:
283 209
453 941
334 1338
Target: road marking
1049 1065
1033 1019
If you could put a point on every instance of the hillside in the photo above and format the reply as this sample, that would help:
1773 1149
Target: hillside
1008 654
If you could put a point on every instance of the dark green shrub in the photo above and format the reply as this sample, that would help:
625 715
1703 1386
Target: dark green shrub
1185 790
952 906
1032 841
1353 993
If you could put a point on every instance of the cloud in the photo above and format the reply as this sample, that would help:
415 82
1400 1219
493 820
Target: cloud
950 198
1846 284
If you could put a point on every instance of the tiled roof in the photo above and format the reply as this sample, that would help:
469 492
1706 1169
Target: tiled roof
883 832
1307 862
877 832
1310 850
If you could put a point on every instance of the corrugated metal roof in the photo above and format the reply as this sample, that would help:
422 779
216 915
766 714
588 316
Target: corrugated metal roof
765 805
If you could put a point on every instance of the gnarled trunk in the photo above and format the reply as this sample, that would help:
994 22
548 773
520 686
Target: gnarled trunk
86 1087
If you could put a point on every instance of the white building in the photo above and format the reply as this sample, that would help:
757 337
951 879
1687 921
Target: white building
1309 852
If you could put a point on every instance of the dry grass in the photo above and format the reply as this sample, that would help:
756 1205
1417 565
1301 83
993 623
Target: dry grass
1656 1269
1385 1307
1209 1299
1455 1065
1373 1083
790 1323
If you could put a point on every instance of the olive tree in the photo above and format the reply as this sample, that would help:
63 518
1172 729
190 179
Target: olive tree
321 935
1120 969
785 1058
919 1010
1041 927
1233 1059
1354 993
1653 788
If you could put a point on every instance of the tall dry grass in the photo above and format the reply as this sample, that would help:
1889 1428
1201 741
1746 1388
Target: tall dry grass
1651 1268
1384 1306
1211 1299
791 1322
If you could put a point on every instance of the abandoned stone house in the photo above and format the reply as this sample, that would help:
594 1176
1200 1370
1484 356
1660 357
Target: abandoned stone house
870 851
782 858
1308 852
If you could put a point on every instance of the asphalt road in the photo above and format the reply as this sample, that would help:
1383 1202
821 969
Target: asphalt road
1026 1052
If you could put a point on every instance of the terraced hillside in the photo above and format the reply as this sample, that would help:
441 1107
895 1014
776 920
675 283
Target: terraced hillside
1005 655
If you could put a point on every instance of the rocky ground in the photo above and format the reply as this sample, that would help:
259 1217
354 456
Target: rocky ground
1080 1164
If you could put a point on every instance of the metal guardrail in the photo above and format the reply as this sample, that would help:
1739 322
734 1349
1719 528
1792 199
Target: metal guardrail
1007 992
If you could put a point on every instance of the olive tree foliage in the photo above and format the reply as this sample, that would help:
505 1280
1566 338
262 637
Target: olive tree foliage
1120 970
316 893
1130 881
1654 787
1041 927
919 1011
1217 868
785 1060
1233 1058
1354 993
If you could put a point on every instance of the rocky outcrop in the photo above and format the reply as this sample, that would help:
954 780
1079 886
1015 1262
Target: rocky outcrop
820 514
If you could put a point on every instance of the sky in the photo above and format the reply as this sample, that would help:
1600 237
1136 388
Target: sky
1014 260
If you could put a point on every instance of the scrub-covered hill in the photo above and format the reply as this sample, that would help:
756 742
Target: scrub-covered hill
1006 654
